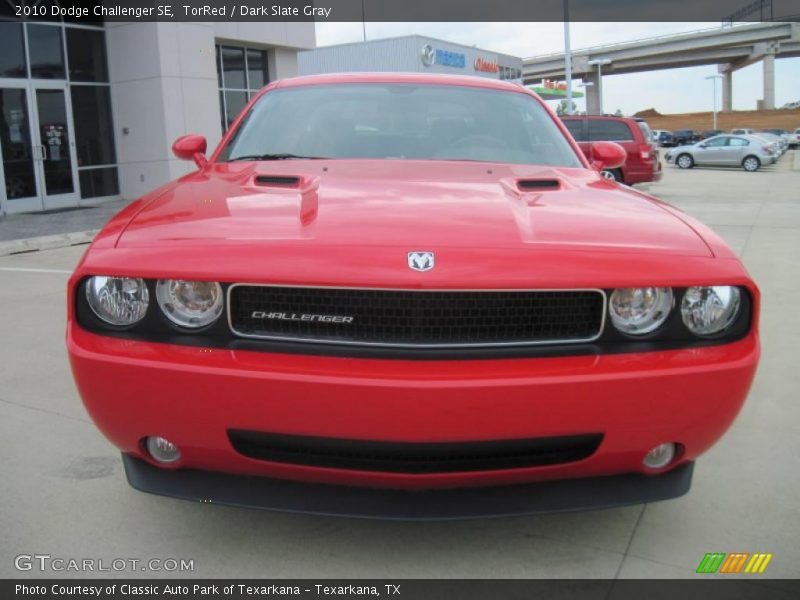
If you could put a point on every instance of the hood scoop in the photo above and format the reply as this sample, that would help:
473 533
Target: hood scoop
530 190
277 180
527 185
303 191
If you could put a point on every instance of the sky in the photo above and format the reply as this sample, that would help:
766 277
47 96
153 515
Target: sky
668 91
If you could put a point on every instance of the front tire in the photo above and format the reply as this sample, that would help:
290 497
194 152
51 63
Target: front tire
751 163
684 161
614 175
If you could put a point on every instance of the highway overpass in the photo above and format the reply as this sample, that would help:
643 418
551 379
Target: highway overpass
731 48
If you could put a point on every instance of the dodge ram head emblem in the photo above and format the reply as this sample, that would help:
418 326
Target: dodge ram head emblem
420 261
428 55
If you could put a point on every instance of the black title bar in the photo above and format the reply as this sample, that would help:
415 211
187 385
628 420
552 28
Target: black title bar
404 10
737 587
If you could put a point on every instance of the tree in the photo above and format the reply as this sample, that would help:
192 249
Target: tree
561 109
618 113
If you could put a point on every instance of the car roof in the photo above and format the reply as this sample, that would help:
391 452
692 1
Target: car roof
419 78
602 118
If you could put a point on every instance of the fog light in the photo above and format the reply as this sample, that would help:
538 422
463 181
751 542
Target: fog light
162 449
660 456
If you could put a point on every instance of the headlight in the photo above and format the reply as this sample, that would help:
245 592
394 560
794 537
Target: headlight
637 311
710 310
190 304
118 301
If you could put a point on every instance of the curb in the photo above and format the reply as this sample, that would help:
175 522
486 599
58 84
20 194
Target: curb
47 242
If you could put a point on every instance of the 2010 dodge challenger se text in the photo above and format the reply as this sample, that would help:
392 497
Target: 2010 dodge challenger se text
409 297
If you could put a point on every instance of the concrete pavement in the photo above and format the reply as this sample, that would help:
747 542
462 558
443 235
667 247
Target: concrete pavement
64 492
54 229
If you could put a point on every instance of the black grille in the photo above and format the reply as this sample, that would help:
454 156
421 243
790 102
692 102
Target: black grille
416 318
412 457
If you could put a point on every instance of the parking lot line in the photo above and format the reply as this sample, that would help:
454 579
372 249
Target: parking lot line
23 270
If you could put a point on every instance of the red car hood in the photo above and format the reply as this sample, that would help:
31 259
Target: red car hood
419 205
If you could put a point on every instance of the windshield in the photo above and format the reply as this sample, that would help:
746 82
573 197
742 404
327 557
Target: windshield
400 121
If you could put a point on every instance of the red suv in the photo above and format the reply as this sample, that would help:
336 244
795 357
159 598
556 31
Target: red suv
642 164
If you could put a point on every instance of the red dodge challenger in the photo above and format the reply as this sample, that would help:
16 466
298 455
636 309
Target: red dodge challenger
410 297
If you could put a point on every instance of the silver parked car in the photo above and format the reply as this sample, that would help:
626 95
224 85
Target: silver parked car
748 152
786 137
780 145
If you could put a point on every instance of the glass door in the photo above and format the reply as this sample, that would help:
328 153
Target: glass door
56 147
38 150
19 152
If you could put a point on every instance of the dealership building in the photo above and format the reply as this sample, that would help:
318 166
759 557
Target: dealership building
410 54
88 111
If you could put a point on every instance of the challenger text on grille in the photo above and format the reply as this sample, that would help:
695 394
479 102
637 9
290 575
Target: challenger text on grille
281 316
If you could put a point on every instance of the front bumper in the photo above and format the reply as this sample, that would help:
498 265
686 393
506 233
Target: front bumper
333 500
194 396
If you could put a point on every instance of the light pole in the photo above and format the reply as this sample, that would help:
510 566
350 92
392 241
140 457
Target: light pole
567 57
600 62
364 20
713 79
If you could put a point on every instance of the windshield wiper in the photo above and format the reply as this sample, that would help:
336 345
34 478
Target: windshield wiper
278 156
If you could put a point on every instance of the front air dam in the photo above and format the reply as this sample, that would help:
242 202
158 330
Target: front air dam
565 495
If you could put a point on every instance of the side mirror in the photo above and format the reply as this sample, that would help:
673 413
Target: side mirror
703 145
607 155
191 147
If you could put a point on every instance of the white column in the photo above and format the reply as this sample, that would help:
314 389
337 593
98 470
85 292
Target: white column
727 91
592 93
769 82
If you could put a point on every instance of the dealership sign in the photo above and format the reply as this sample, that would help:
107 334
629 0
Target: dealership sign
436 56
553 90
486 66
554 85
